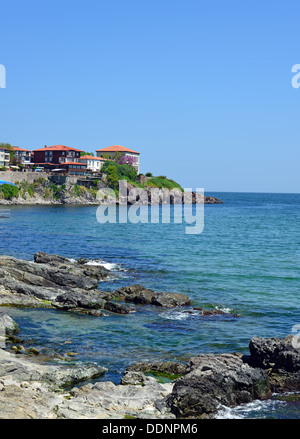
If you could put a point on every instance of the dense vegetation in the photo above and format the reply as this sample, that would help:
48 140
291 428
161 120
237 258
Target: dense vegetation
115 172
111 171
7 191
163 182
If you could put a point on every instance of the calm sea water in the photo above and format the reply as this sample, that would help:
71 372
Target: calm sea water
246 261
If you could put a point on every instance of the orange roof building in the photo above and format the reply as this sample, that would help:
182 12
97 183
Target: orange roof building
112 151
56 154
117 148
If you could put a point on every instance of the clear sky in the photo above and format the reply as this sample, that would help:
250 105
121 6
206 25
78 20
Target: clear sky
201 88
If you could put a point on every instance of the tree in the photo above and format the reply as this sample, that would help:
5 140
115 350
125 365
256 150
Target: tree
86 153
112 177
126 160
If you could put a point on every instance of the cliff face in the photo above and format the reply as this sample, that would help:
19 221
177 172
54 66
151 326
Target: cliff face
72 191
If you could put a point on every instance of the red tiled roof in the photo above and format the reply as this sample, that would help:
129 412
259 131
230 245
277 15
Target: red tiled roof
17 148
116 148
91 157
58 148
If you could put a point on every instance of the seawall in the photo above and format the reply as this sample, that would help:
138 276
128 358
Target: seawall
21 177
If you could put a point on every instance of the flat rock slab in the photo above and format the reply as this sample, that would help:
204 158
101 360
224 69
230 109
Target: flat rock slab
54 376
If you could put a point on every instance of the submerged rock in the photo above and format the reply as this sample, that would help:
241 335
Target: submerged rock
118 308
167 367
170 300
213 312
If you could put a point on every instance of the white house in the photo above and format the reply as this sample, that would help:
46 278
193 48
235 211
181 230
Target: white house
93 163
22 155
4 157
115 150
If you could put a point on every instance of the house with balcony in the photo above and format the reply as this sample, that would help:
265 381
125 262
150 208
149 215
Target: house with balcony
72 168
22 156
117 151
53 156
4 157
94 164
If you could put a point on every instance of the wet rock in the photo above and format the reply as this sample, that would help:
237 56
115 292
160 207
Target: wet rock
213 312
216 379
78 267
7 325
135 293
24 289
167 367
209 312
79 299
44 275
170 300
143 296
89 312
280 357
45 258
118 308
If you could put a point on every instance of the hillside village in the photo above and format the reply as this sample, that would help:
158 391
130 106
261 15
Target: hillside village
64 159
60 174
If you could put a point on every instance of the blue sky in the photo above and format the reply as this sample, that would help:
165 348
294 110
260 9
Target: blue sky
201 88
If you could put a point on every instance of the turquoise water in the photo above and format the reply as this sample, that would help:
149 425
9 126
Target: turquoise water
246 261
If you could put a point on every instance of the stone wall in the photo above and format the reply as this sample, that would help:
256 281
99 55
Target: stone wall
14 177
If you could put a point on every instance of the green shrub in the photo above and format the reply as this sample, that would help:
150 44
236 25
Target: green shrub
123 172
57 190
7 191
148 174
163 182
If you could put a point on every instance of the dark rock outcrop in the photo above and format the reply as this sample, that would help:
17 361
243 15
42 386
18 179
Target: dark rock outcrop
170 300
45 275
145 296
135 293
232 379
216 379
79 299
117 308
280 357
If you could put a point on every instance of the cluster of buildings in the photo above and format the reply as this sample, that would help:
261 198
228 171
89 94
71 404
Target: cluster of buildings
64 159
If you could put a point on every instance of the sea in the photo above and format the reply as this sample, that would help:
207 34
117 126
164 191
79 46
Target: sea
246 262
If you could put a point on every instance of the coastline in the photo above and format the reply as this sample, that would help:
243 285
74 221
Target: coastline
194 389
44 190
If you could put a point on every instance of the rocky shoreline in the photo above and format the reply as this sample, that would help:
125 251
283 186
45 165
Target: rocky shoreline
43 192
31 388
